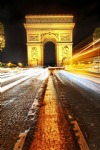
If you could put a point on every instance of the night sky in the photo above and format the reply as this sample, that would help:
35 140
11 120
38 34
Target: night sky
12 15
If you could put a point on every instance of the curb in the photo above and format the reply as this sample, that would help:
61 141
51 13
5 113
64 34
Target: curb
26 137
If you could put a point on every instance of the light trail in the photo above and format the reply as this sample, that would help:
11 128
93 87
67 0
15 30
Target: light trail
25 75
87 52
81 81
14 76
44 74
84 49
10 85
88 57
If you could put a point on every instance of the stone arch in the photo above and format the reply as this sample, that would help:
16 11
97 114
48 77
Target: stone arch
43 28
49 38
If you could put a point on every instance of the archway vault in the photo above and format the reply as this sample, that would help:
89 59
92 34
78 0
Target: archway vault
49 54
41 29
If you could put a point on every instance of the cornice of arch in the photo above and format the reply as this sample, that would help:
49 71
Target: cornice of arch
54 26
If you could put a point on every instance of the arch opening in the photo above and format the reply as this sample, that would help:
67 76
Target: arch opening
49 54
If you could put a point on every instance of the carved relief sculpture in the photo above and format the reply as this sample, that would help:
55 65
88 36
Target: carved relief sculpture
65 37
33 37
34 54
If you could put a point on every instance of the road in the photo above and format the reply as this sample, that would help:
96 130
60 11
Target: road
79 96
15 104
15 76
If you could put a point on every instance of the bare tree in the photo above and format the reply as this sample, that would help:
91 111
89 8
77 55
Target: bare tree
2 39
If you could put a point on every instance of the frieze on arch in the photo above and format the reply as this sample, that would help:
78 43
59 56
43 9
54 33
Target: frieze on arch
45 28
50 19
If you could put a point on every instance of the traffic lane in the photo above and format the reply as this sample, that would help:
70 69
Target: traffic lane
82 81
85 72
83 85
21 76
90 76
14 75
84 108
11 80
15 104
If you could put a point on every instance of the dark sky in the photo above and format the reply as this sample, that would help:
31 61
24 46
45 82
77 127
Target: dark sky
12 15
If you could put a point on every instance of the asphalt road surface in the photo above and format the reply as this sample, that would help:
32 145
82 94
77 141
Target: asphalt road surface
15 104
80 98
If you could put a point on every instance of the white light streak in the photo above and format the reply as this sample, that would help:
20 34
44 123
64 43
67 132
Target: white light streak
81 81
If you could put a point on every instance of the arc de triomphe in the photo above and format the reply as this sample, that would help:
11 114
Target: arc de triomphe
45 30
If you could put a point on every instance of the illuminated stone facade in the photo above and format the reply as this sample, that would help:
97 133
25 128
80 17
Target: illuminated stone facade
49 28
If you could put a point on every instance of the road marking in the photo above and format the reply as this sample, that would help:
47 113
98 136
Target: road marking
81 140
19 144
